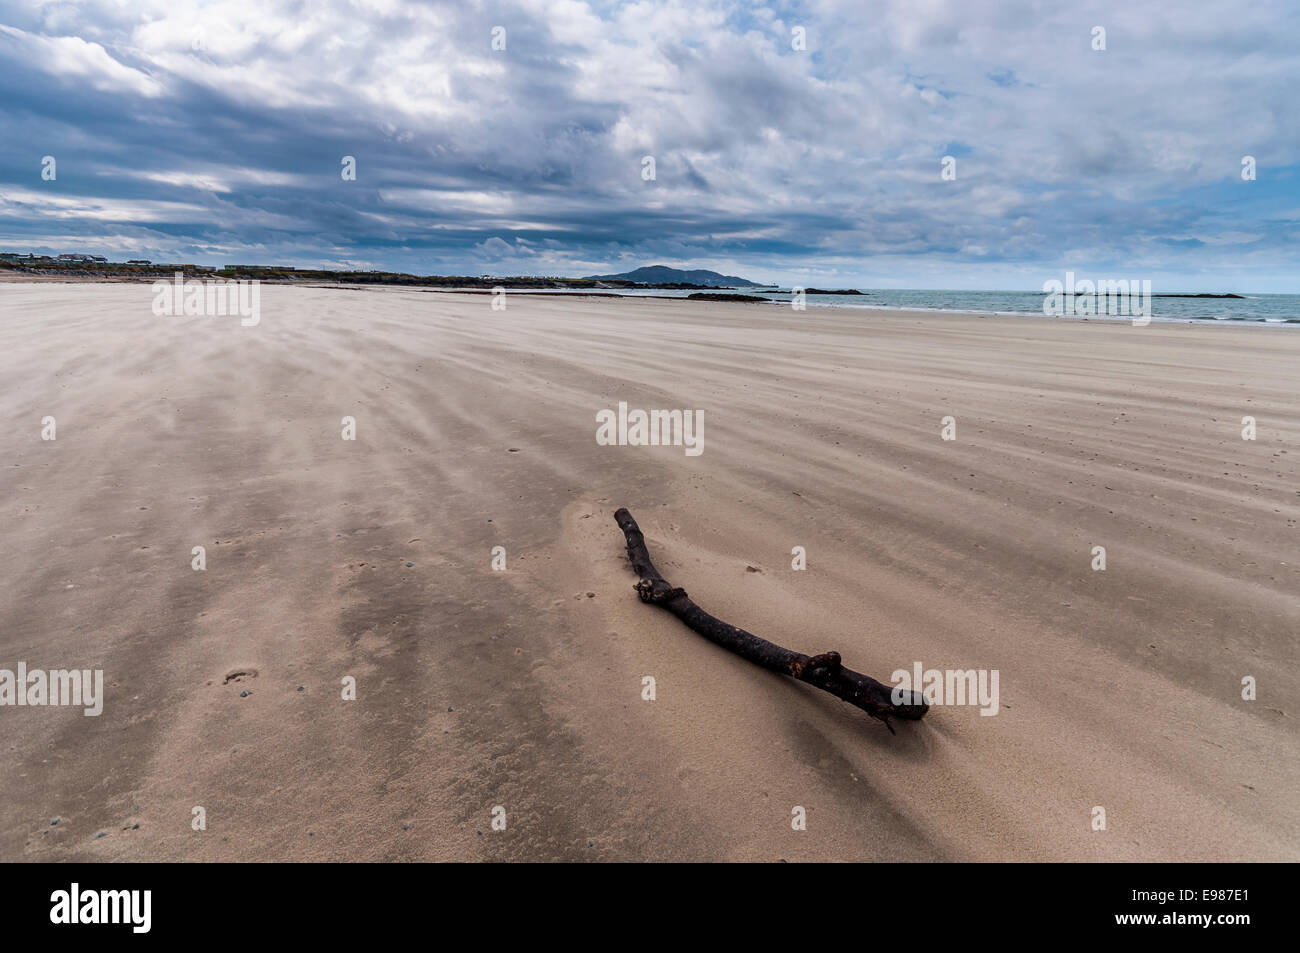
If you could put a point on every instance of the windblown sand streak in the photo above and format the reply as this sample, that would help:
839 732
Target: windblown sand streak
475 688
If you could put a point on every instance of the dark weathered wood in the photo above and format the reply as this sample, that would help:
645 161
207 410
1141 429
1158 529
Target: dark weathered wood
823 671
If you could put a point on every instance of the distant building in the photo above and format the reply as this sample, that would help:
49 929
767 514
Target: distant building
256 268
139 261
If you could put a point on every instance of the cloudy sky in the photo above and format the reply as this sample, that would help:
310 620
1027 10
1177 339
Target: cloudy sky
214 132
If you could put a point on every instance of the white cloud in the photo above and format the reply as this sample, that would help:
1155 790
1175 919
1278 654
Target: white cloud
71 57
780 156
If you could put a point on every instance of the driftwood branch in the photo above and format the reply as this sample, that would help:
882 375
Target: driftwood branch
823 671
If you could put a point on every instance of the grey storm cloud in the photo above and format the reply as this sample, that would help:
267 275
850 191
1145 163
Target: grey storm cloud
214 132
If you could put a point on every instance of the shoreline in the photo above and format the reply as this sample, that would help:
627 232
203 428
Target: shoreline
377 287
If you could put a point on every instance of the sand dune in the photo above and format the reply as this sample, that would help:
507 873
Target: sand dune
478 688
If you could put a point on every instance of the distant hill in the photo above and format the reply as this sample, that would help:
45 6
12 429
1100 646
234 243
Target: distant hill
662 274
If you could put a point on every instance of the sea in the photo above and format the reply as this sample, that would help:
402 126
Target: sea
1252 309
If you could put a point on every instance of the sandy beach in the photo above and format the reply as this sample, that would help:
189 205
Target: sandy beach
476 688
